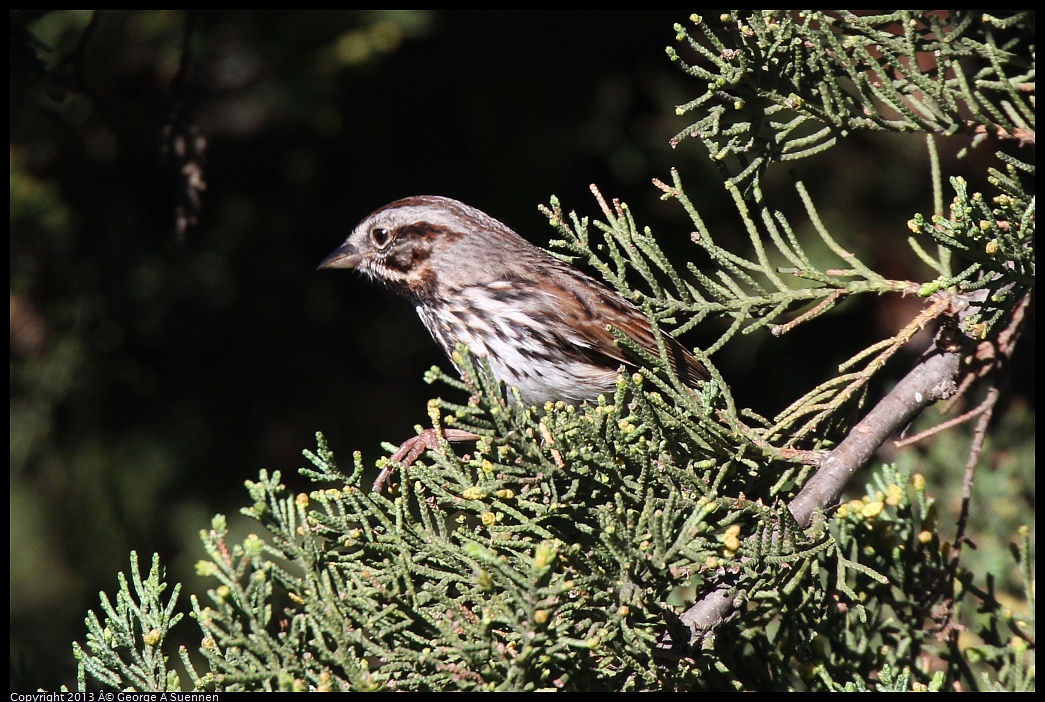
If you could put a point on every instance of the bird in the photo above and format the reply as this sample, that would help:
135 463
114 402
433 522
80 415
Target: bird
543 326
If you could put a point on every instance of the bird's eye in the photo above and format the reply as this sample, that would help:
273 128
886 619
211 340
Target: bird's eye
380 236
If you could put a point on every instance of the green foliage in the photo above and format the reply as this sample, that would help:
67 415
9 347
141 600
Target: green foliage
458 582
565 550
126 647
814 76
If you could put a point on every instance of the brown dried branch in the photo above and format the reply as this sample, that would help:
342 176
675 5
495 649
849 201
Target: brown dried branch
933 378
992 354
826 304
184 145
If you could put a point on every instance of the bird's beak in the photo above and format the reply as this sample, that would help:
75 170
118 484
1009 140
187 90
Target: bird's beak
344 256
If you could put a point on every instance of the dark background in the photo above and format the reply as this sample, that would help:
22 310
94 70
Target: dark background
153 372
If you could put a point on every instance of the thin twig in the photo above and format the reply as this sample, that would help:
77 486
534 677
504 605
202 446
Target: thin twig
942 426
975 449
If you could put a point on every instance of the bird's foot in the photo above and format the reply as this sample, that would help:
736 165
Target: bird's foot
412 448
